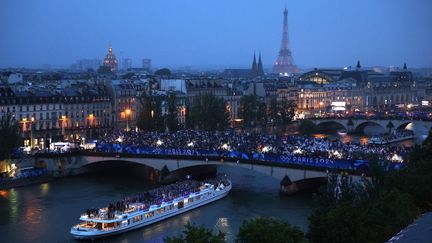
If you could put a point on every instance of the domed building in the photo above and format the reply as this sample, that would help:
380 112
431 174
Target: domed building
110 60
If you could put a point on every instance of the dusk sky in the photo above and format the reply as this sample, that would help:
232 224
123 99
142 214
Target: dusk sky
223 33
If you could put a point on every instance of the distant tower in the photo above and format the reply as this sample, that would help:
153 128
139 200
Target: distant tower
110 60
358 66
284 63
126 64
405 66
254 69
146 64
260 66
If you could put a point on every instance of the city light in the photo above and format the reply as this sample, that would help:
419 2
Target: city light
298 151
266 149
127 113
397 158
225 146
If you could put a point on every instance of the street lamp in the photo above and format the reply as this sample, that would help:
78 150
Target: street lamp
31 131
127 113
24 121
64 121
91 119
321 106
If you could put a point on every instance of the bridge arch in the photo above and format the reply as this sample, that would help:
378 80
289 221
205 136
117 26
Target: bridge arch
403 125
360 127
335 123
174 165
419 127
113 161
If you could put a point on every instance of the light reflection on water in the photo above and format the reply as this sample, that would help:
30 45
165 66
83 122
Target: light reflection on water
44 188
13 198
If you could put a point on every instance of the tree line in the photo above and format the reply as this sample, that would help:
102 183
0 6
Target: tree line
209 112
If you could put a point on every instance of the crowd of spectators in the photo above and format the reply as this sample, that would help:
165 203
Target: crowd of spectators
250 143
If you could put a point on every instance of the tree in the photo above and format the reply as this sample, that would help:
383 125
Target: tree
143 119
252 110
359 212
194 234
273 111
286 109
149 117
208 112
9 136
375 220
265 229
163 72
416 178
171 118
306 127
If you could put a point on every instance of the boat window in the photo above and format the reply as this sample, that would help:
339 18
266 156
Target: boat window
180 204
150 214
137 218
160 210
109 226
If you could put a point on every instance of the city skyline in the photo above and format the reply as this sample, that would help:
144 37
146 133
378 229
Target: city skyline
210 35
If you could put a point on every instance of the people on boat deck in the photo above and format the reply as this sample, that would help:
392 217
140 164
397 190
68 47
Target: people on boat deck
153 197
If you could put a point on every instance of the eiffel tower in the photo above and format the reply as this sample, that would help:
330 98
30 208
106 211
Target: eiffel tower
284 63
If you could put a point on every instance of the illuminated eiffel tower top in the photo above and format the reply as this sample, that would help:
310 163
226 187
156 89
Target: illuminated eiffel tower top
284 63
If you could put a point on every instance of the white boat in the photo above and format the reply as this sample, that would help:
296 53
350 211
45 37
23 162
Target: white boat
104 223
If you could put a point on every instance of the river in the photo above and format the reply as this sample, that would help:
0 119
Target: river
45 213
370 130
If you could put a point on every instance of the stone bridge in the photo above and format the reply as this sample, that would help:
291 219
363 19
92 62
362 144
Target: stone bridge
71 164
358 125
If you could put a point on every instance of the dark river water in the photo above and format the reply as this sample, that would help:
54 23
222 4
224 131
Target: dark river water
45 213
371 130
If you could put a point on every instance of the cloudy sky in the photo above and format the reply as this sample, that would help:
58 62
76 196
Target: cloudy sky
209 33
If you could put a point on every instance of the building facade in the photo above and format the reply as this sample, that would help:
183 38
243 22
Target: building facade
47 115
